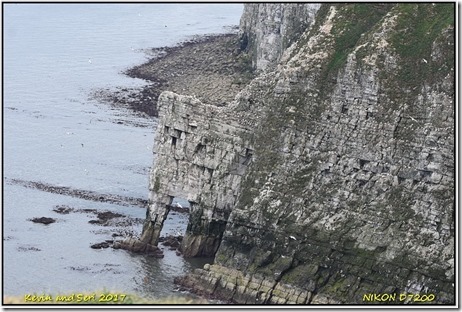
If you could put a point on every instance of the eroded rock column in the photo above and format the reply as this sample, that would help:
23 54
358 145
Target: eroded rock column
200 157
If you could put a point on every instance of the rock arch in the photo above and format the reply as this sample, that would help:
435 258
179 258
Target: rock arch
201 158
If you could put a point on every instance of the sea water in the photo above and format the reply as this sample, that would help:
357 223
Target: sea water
55 56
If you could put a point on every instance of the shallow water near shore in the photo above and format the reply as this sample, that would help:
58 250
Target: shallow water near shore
54 57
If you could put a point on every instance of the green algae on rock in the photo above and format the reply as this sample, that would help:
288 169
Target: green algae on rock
331 174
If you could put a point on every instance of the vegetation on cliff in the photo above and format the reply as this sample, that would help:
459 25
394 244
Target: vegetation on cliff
344 146
353 144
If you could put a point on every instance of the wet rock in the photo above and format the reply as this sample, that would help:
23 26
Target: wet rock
83 194
158 255
231 285
101 245
137 246
105 217
172 241
63 209
89 210
43 220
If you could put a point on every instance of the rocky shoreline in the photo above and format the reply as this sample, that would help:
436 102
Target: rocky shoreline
79 193
210 68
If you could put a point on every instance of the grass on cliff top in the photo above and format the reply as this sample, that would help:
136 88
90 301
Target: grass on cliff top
418 27
355 20
352 21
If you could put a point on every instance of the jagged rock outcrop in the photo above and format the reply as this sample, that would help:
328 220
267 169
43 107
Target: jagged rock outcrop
201 157
267 29
330 177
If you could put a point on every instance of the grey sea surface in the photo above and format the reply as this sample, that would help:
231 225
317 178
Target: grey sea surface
55 56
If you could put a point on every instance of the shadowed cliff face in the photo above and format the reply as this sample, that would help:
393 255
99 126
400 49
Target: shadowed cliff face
332 175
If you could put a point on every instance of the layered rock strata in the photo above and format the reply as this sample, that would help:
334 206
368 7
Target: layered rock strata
267 29
201 157
330 177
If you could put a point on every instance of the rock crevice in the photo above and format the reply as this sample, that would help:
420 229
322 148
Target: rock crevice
331 175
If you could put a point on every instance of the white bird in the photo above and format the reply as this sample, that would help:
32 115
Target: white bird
291 237
178 205
425 61
89 61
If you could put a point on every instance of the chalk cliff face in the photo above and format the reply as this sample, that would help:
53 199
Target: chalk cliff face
202 154
267 29
331 175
